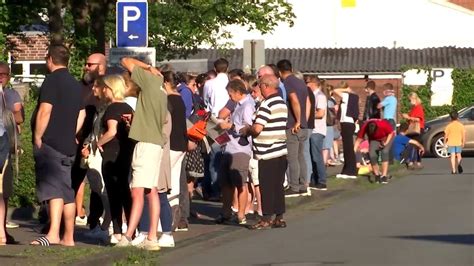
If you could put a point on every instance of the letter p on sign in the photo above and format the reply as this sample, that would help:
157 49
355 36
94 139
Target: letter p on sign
127 17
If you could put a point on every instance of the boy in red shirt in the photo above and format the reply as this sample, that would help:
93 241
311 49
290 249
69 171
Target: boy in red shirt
380 134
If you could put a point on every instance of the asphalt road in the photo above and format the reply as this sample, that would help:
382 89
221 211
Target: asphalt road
426 218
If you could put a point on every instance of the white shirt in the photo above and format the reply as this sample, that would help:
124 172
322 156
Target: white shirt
321 102
344 118
215 93
131 101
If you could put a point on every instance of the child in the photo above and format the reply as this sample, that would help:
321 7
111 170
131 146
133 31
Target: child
405 149
455 138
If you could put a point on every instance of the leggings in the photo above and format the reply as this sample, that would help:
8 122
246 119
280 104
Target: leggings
118 190
347 133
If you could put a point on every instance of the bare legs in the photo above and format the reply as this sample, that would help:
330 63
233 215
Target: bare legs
3 213
137 209
57 210
80 200
455 161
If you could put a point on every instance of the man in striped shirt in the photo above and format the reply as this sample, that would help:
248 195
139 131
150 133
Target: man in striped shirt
269 148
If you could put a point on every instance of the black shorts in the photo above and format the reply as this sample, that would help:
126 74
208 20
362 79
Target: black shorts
53 174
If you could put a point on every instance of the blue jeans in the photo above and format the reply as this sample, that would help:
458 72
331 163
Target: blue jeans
316 142
166 217
307 158
211 167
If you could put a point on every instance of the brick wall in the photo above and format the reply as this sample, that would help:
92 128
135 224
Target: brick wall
358 85
28 48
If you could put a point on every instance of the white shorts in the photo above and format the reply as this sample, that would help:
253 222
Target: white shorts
253 170
146 163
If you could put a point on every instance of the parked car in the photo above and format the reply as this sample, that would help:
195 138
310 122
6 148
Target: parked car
433 137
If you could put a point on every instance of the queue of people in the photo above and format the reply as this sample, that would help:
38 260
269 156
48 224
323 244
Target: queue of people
128 133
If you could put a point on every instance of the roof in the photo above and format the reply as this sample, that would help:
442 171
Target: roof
353 60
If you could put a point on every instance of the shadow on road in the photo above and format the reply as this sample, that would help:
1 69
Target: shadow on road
461 239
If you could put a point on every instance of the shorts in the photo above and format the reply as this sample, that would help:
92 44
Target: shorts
454 149
337 133
6 170
233 169
6 179
253 171
146 161
53 174
329 139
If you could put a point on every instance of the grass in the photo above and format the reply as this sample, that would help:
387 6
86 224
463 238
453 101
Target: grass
339 189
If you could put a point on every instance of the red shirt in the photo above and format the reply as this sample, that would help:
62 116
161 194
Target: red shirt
384 128
417 111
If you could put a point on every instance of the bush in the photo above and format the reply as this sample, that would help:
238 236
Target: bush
463 94
24 188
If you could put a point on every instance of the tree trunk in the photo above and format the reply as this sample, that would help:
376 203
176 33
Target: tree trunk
99 11
56 27
79 13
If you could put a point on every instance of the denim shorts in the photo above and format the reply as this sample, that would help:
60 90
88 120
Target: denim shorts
454 149
53 174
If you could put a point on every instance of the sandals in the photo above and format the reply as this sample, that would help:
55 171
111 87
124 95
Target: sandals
43 241
260 225
279 223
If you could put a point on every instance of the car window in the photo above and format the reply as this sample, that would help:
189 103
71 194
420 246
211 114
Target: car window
465 113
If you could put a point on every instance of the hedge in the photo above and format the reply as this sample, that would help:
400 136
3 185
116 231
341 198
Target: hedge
463 94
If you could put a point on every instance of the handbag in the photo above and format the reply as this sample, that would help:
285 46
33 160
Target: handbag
414 128
198 131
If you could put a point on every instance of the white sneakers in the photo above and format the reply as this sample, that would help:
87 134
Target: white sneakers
81 220
139 239
343 176
113 239
166 241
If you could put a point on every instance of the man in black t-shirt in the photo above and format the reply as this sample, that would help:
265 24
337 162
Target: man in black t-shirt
296 132
57 118
371 110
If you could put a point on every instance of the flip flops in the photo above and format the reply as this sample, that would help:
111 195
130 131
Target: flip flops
43 241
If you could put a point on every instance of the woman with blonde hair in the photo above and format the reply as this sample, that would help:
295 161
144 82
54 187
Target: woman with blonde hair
416 120
117 150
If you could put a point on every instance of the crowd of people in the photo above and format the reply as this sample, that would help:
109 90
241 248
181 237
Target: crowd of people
140 136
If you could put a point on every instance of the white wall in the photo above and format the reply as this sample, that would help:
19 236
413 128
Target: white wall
372 23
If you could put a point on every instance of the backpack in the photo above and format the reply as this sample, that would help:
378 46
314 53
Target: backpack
331 116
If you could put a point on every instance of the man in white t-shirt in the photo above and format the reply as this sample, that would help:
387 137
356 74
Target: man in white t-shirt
215 98
319 132
215 93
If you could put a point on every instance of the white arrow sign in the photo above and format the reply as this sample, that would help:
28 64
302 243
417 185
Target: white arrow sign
131 37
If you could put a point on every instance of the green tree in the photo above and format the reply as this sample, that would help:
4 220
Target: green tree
176 27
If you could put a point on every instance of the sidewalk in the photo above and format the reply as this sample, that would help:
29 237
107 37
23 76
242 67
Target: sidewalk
201 229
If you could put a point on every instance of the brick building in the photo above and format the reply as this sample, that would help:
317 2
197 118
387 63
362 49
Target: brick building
27 57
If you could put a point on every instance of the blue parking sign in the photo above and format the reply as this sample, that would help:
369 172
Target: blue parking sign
132 23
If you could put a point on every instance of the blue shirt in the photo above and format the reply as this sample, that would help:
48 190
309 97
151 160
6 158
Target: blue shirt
389 104
282 90
399 144
242 115
187 97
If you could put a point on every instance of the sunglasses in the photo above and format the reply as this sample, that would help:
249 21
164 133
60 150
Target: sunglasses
91 64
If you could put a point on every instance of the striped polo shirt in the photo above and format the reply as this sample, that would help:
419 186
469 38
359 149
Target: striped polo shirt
272 114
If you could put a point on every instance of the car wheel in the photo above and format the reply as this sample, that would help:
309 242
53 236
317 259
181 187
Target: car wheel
437 147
